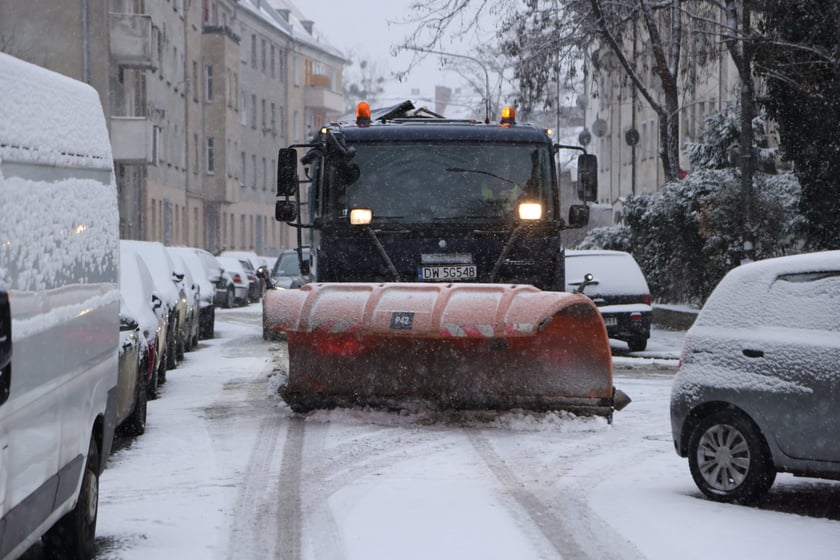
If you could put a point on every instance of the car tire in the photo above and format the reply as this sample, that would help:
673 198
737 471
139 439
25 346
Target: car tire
729 458
73 537
152 387
637 344
230 297
208 326
164 365
135 424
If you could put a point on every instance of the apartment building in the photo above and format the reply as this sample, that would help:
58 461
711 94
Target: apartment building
201 94
624 130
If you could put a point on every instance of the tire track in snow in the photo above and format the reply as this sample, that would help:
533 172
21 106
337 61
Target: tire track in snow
568 530
288 497
257 501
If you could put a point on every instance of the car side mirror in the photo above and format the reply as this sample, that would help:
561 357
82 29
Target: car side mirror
287 175
285 211
304 268
578 216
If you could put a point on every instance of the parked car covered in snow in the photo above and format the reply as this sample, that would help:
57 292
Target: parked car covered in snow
170 288
192 289
59 309
207 278
131 384
141 302
619 289
250 263
234 268
758 386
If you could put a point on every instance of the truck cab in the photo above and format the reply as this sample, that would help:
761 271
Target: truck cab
405 195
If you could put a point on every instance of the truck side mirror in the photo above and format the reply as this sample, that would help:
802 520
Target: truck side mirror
587 185
285 211
578 216
287 175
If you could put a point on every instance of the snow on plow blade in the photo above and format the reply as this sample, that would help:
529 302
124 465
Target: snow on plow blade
443 346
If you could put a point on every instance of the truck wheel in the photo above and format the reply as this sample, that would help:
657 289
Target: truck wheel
73 536
729 459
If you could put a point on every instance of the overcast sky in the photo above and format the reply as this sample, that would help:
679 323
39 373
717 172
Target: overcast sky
362 28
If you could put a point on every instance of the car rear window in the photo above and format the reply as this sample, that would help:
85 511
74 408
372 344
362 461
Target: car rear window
615 273
794 300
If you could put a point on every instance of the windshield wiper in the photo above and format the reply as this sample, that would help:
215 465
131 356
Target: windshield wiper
481 172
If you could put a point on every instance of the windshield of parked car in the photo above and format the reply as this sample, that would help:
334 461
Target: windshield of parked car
287 265
440 181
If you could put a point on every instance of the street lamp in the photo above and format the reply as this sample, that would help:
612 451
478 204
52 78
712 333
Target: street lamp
473 59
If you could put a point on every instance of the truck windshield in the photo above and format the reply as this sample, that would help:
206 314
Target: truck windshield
440 182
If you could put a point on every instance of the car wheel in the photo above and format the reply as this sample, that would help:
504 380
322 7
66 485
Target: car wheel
164 365
73 536
230 298
729 459
637 344
208 326
152 387
135 424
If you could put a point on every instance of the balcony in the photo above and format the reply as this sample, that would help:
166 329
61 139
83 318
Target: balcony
323 99
133 140
131 41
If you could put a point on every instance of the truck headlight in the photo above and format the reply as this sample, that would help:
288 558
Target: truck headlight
530 211
361 216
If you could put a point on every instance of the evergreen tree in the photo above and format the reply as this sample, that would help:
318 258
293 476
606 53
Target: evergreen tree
799 59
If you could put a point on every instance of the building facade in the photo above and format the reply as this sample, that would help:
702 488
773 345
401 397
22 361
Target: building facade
622 128
199 96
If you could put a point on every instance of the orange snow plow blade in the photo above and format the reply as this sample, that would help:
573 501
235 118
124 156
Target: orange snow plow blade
443 346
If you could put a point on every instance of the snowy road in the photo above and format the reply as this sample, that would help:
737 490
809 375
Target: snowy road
226 471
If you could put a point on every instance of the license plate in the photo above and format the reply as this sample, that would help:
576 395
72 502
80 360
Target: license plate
448 273
610 321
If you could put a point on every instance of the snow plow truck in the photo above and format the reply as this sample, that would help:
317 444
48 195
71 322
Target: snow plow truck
438 270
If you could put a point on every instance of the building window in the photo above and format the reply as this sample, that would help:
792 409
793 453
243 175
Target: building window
211 162
264 120
263 58
253 51
253 111
273 120
195 80
273 73
242 169
264 175
243 113
208 82
254 172
281 65
195 154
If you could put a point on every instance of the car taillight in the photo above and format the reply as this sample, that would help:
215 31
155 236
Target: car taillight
646 299
237 278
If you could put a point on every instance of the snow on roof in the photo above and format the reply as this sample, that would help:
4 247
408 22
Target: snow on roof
304 30
61 122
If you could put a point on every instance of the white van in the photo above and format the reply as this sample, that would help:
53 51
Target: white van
59 309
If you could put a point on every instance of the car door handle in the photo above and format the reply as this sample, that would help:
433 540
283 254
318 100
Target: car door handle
750 353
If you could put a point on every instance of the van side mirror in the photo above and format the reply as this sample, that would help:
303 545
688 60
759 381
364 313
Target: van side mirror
287 175
587 184
578 216
285 211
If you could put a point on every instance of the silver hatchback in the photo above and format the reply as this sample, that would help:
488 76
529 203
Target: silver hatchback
758 386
